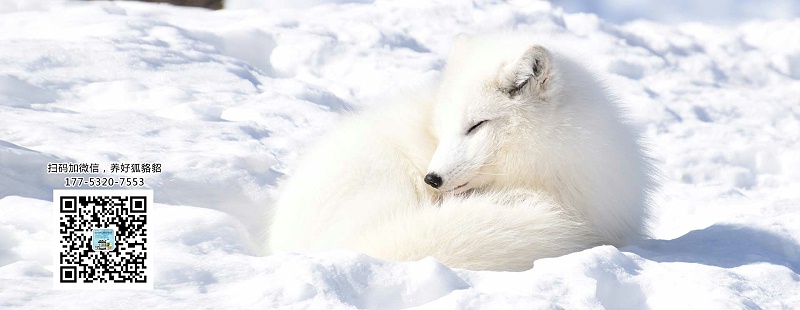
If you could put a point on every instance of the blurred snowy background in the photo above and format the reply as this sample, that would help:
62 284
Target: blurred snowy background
226 99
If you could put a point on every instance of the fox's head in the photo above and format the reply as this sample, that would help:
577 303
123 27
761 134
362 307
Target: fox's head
489 101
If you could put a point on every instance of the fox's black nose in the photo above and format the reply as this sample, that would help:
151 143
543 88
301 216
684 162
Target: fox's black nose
433 180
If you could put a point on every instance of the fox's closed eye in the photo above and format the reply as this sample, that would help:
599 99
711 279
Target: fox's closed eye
471 129
517 89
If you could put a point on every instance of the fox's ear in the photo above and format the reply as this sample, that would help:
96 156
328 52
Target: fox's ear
532 71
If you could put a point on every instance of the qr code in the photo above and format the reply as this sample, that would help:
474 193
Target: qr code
102 239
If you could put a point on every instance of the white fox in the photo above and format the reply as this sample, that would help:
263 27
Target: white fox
520 153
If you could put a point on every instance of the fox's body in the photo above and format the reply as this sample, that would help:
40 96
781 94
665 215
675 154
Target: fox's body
524 153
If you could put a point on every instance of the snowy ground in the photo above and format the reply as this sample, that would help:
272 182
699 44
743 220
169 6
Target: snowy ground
224 100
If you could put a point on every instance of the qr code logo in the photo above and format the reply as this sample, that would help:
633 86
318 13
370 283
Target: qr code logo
102 239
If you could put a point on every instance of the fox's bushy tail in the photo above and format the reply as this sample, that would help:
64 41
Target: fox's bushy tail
494 231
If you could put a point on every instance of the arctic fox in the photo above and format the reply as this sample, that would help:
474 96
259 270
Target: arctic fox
519 153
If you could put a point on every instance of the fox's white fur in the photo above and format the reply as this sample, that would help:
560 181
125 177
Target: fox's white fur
553 169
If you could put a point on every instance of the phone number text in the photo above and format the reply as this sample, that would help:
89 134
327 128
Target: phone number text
103 182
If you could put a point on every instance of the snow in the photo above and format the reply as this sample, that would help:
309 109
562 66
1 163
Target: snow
727 12
226 100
